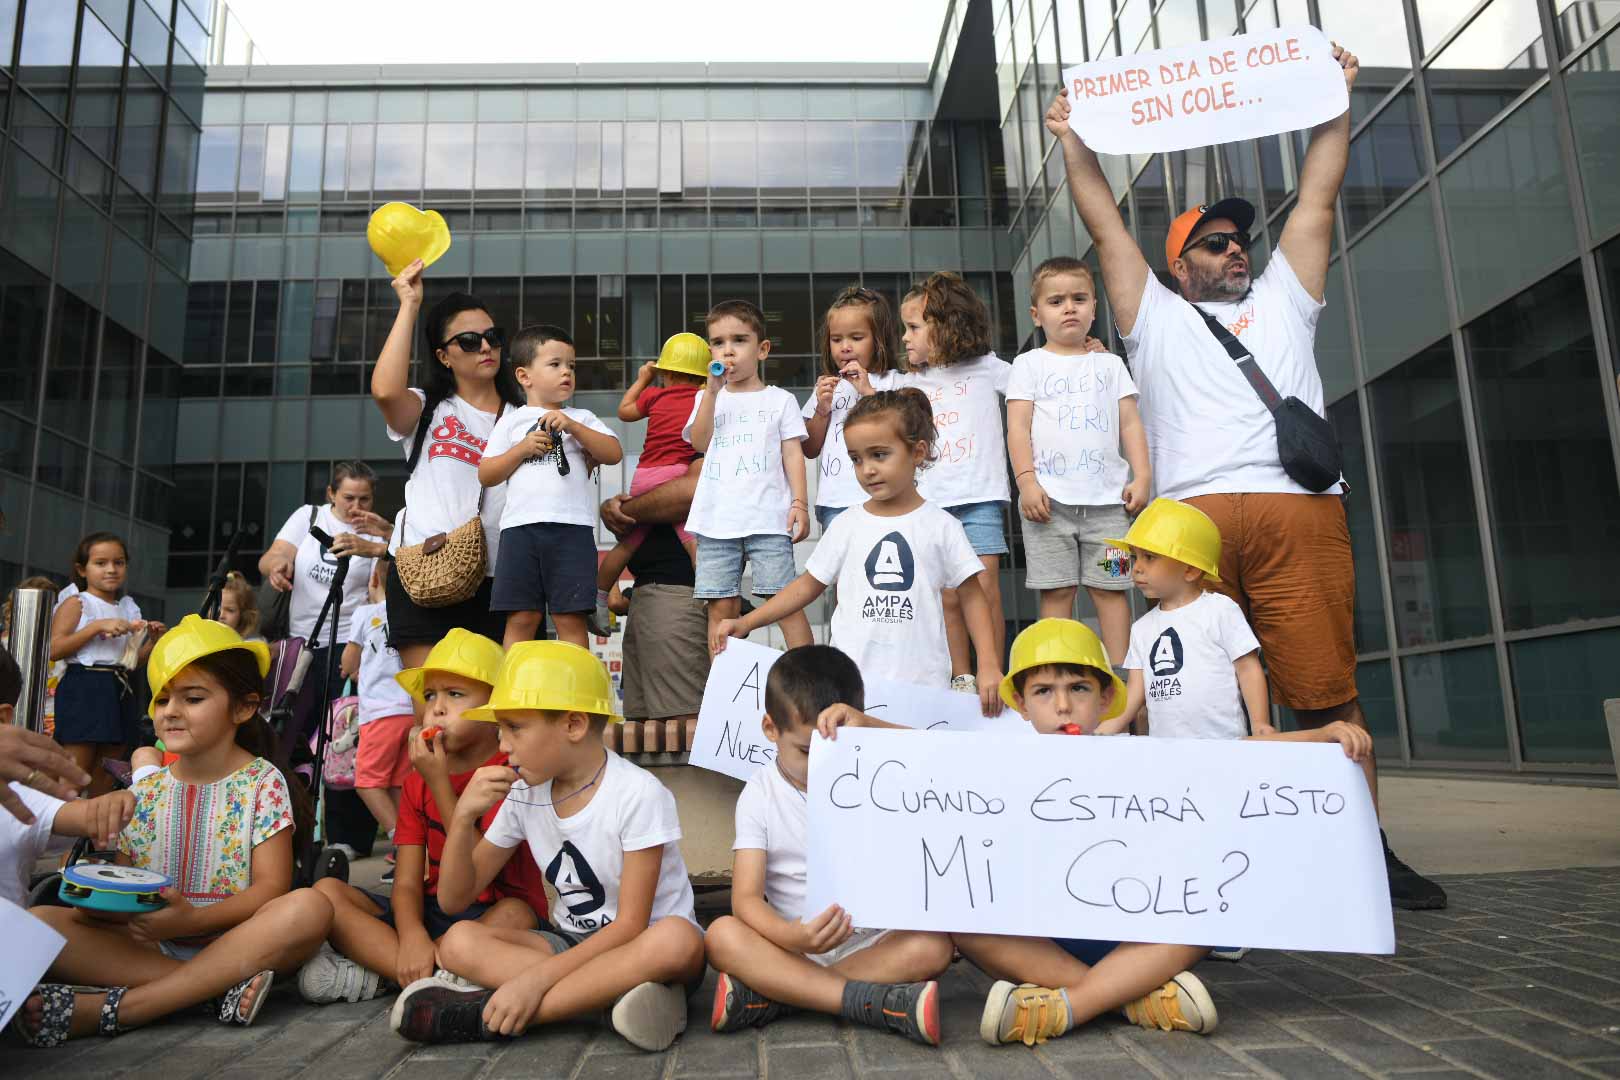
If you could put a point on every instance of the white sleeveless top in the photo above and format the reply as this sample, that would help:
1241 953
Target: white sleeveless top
103 650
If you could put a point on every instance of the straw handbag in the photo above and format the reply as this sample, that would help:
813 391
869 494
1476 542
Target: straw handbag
446 568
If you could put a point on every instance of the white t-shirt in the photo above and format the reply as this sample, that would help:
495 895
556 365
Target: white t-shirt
313 569
583 855
835 477
103 650
536 491
442 492
972 465
380 694
1186 657
22 845
1075 429
744 489
1207 430
773 817
889 572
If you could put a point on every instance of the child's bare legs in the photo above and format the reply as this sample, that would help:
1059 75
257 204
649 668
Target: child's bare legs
383 804
1131 970
521 626
88 756
668 951
1114 616
359 933
280 936
614 562
956 632
719 610
1059 603
796 630
766 968
991 584
571 627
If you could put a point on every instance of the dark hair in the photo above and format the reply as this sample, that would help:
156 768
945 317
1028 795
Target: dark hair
1104 679
237 672
525 344
886 355
807 680
1058 264
913 416
352 470
745 310
10 678
81 554
438 381
961 327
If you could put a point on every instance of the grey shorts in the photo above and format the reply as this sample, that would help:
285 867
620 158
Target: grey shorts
666 646
1069 550
562 940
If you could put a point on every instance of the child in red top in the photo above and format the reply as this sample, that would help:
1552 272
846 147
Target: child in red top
378 941
682 369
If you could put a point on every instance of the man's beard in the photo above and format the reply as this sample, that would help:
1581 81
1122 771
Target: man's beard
1214 286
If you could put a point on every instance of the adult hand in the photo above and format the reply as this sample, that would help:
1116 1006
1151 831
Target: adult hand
27 757
281 574
1057 116
350 544
408 285
372 523
1349 62
1094 345
614 517
108 816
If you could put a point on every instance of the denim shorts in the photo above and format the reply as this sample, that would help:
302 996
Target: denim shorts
982 521
825 515
720 565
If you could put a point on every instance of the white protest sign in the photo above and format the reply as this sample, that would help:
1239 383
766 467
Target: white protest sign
731 740
1213 92
1187 841
30 947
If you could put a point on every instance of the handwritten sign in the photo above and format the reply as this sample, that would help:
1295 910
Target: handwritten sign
1186 841
1214 92
31 945
730 738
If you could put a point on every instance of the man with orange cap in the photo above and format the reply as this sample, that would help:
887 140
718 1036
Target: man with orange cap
1285 553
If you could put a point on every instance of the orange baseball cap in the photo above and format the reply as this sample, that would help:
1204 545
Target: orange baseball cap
1239 211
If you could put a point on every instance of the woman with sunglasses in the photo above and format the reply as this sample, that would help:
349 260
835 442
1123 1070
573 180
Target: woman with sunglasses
443 427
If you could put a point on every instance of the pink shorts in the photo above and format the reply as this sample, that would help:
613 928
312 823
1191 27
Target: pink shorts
648 477
382 760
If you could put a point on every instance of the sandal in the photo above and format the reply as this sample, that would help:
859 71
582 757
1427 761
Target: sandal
232 999
56 1013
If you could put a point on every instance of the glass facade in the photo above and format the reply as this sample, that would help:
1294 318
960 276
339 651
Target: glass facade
1468 352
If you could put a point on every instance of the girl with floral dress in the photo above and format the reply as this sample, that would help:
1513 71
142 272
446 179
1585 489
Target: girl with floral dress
219 823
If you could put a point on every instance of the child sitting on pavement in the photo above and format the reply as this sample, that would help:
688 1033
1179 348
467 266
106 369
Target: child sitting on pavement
624 936
771 952
381 941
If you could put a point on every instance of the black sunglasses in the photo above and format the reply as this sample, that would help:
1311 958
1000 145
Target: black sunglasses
468 340
1215 243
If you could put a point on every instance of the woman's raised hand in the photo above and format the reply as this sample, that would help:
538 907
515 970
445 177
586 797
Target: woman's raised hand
408 285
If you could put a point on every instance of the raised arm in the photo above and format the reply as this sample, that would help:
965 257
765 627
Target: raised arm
1125 271
391 378
628 410
1307 239
703 422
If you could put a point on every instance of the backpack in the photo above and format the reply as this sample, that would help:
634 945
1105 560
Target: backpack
342 740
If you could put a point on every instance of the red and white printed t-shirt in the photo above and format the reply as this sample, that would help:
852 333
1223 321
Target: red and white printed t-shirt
442 492
1207 430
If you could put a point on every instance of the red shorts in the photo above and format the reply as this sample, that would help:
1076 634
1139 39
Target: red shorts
382 761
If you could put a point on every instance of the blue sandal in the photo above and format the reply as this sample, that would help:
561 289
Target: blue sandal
56 1013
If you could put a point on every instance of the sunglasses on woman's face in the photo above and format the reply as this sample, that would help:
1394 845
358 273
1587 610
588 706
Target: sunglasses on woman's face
1215 243
469 341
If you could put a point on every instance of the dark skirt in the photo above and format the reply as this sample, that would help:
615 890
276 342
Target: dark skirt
95 706
411 624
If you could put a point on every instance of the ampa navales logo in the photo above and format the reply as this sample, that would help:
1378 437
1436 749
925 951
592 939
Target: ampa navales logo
891 570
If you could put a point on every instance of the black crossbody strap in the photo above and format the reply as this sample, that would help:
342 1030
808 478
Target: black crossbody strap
1245 361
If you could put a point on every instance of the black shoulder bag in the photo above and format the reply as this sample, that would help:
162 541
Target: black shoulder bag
1306 445
275 606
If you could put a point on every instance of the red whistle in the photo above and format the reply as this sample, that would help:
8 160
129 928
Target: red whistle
431 733
1067 729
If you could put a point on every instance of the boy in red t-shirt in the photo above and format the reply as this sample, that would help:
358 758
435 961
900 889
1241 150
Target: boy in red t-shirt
682 369
379 942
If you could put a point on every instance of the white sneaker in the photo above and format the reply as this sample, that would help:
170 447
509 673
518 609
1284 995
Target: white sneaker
450 978
651 1015
965 684
327 977
1230 955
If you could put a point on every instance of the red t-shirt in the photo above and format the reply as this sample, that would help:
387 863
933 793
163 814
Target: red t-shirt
666 409
420 825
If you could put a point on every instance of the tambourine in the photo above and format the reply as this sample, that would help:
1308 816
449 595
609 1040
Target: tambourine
128 890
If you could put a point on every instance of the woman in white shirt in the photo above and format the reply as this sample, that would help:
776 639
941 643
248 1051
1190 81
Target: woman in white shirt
443 427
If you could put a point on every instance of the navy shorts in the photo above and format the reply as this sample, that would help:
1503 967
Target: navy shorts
434 920
1086 950
544 566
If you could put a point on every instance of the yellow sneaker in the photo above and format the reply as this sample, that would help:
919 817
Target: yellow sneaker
1028 1014
1182 1004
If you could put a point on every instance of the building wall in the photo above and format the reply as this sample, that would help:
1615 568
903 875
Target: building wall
1467 350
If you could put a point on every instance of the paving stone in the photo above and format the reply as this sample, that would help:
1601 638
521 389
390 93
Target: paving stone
1411 1022
805 1029
1363 1044
821 1062
1496 1058
1305 1061
551 1054
1548 1037
1542 998
1099 1068
1453 970
1319 981
1181 1053
637 1066
701 1052
871 1049
976 1057
1422 988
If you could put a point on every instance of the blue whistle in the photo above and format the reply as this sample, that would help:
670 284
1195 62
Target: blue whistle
717 369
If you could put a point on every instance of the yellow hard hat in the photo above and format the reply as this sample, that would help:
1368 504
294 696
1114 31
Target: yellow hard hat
686 353
195 638
399 233
460 652
1177 531
1060 641
557 676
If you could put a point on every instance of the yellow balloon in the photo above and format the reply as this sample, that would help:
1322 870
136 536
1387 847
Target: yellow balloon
399 233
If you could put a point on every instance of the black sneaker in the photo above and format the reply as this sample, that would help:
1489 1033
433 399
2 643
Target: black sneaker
736 1006
909 1009
387 876
1407 888
429 1011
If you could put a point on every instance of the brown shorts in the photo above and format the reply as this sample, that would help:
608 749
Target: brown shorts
1285 559
666 653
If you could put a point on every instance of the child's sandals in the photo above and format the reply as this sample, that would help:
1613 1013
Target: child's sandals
230 1002
56 1013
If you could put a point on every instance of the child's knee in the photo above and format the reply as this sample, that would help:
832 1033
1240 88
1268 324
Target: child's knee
923 951
675 943
725 940
335 891
460 943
